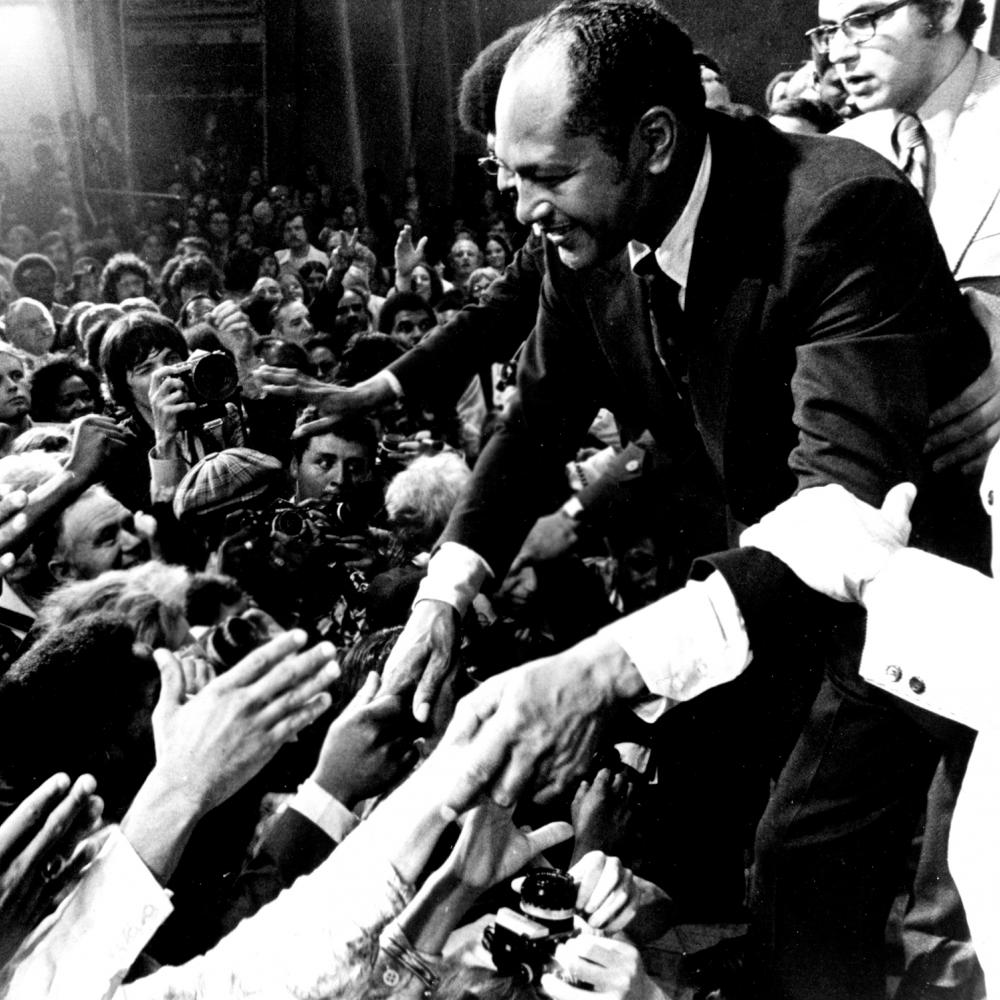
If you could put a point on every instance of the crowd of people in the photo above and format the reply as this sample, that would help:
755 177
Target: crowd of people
359 556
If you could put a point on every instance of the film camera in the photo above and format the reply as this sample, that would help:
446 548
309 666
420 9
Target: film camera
522 944
295 558
211 379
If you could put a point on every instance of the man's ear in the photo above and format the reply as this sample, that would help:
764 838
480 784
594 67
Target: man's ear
59 569
658 137
947 15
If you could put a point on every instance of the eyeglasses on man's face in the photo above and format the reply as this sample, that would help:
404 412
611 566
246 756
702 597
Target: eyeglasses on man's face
857 28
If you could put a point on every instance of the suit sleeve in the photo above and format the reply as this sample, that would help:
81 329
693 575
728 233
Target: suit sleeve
519 474
881 337
438 370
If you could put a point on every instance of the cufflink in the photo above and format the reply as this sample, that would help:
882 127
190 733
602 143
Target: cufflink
917 686
894 673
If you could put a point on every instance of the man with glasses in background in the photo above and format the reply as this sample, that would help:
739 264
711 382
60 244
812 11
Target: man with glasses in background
930 103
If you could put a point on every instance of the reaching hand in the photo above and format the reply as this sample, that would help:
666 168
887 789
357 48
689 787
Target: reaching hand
13 524
42 851
234 328
832 541
368 747
612 970
424 655
213 743
335 401
343 249
550 537
601 812
96 441
490 848
408 256
538 725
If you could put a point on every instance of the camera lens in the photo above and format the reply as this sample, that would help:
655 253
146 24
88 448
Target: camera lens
548 896
288 522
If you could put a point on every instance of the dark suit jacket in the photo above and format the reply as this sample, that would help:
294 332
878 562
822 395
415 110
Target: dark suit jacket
823 327
438 370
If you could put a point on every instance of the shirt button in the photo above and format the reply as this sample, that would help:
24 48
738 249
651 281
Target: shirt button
917 686
632 465
390 977
894 673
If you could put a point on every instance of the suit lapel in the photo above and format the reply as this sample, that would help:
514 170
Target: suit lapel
966 185
726 282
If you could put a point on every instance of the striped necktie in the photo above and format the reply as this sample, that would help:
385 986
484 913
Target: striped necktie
909 140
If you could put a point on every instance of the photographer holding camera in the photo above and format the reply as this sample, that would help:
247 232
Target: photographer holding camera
177 407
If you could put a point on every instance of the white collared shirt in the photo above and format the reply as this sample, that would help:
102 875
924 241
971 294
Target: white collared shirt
673 255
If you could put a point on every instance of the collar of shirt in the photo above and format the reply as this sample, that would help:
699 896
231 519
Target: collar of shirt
939 111
674 254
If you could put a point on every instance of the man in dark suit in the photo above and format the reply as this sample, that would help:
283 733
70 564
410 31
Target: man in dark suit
778 308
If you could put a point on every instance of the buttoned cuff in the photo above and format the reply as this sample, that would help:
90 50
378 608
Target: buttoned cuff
931 636
455 575
685 644
320 807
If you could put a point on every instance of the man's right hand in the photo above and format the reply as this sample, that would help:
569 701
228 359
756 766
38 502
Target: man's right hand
289 383
96 440
424 655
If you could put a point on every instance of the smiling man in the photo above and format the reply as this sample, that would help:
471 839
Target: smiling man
784 316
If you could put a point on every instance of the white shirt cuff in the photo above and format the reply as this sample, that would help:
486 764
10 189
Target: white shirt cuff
320 807
686 643
931 637
88 944
455 574
389 377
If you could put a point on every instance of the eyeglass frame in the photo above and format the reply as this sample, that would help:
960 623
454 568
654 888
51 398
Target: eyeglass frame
869 17
491 165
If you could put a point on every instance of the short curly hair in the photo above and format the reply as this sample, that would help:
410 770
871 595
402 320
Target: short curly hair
116 268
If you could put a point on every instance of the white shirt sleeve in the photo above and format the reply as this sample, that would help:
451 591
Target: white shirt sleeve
455 574
317 939
685 643
84 949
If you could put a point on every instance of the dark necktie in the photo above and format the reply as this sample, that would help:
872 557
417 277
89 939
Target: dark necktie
667 320
909 141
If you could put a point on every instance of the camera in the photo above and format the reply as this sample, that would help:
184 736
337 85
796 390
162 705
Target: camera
210 379
522 944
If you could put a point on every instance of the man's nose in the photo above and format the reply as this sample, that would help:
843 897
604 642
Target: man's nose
532 203
841 48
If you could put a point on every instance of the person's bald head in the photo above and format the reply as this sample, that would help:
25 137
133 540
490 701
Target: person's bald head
29 326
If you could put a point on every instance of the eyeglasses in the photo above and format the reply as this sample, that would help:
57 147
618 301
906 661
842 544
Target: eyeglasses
857 28
490 164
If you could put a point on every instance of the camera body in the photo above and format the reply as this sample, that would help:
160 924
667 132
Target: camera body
210 379
522 945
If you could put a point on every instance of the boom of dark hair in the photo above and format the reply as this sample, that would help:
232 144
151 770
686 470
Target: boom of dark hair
357 430
625 56
128 342
402 302
48 377
477 93
116 268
